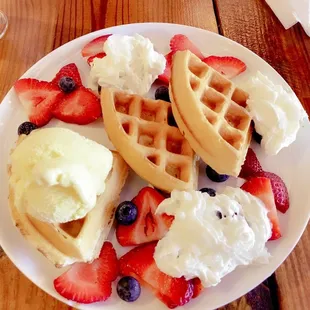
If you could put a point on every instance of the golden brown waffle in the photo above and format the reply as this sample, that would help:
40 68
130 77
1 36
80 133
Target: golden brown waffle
140 131
211 113
80 240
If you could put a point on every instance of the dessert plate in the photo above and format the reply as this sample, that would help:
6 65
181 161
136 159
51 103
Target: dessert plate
291 164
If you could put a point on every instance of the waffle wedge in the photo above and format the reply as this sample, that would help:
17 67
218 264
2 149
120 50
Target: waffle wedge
211 113
80 240
140 131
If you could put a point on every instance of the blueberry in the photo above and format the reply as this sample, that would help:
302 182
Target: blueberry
214 176
171 121
66 84
210 191
257 137
26 128
162 93
126 213
128 289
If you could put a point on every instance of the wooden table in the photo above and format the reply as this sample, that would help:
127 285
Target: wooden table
39 26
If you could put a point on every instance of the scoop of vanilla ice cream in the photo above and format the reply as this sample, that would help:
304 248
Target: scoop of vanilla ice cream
57 174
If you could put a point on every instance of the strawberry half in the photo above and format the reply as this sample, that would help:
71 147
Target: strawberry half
279 189
140 264
79 107
91 58
71 71
251 165
180 42
95 46
165 76
38 98
198 287
260 187
88 283
227 65
148 226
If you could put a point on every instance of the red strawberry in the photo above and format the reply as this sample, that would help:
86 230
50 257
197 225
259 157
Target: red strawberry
198 287
71 71
165 77
148 226
250 166
38 98
95 46
227 65
260 187
180 42
79 107
91 58
279 189
140 264
88 283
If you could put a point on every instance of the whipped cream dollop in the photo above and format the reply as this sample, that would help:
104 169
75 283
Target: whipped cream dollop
211 236
277 113
130 64
57 174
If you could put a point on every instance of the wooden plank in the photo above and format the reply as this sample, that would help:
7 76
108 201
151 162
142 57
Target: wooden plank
254 25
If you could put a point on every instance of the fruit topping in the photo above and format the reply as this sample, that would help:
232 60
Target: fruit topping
88 283
140 264
279 189
226 65
210 191
180 42
126 213
148 226
95 46
260 187
66 84
38 98
165 76
79 107
91 58
25 128
198 287
162 93
70 71
214 176
250 166
128 289
257 137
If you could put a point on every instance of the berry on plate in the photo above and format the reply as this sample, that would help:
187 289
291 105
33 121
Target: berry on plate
81 107
250 166
91 58
126 213
208 190
260 187
180 42
279 189
140 264
162 93
147 227
67 84
128 289
25 128
198 287
95 46
214 176
69 71
88 283
226 65
38 98
165 76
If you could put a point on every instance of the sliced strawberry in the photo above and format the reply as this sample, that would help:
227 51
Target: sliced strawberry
140 264
71 71
91 58
226 65
279 189
165 76
198 287
148 226
88 283
38 98
180 42
95 46
260 187
79 107
250 166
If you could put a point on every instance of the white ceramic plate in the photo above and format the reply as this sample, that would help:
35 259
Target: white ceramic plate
292 164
